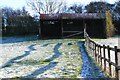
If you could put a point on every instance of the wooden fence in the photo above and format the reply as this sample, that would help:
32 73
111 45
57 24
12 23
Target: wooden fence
106 56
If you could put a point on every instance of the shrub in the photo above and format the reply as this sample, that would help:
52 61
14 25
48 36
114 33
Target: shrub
110 28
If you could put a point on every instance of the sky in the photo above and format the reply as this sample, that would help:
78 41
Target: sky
20 3
12 3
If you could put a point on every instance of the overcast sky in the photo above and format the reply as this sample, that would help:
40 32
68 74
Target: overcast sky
20 3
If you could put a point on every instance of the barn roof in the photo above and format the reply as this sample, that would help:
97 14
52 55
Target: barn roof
73 16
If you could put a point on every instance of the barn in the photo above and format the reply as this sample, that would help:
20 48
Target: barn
67 25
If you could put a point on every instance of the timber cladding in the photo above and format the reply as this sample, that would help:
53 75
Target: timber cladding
67 25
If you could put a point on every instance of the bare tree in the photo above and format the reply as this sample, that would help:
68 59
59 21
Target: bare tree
46 6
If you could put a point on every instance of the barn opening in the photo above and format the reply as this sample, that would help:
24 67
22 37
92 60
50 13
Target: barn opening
51 28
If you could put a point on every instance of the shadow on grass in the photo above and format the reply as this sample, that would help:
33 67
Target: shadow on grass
50 65
9 63
42 70
57 53
44 45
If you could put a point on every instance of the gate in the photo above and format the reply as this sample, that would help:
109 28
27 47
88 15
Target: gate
72 28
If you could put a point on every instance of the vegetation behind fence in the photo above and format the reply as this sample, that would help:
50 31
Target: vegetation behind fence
107 57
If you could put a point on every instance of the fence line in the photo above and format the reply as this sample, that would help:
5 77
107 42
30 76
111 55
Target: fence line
103 56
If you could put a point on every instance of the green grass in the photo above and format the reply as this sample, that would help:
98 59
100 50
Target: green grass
44 61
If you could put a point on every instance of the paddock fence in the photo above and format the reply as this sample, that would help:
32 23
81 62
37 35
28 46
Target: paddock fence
108 58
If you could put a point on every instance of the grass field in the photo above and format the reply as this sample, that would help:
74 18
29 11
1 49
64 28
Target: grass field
57 58
112 41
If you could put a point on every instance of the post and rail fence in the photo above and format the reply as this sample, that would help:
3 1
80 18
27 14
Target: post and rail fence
107 57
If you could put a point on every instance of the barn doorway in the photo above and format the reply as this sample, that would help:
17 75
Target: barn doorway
72 28
51 29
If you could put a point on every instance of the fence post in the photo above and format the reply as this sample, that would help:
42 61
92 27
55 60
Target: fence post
92 49
98 54
118 47
90 46
95 52
100 57
87 43
104 58
108 48
116 62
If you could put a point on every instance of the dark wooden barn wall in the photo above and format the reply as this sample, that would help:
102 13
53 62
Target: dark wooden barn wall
117 26
96 27
56 28
76 25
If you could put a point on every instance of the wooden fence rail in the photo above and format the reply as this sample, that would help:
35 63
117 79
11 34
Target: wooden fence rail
106 56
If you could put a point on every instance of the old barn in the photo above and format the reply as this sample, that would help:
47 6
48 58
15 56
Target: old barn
67 25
